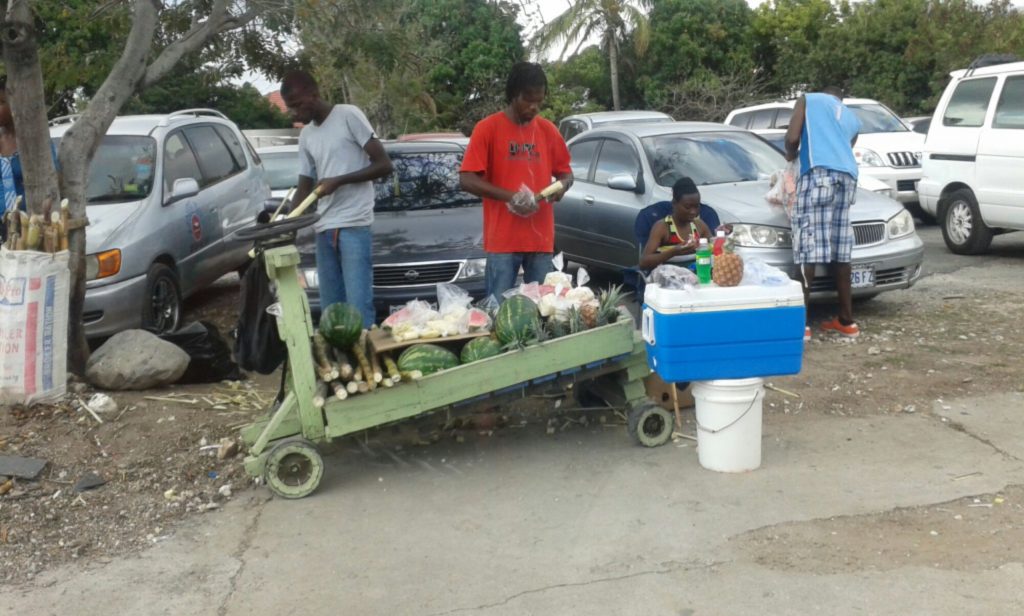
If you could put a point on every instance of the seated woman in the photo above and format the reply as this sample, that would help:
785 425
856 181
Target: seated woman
680 231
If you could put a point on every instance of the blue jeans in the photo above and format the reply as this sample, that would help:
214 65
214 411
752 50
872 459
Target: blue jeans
503 268
344 267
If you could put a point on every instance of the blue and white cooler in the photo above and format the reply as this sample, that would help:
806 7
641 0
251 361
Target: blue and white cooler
711 332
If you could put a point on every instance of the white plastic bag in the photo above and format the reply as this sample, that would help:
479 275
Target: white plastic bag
757 272
33 326
669 276
523 203
783 188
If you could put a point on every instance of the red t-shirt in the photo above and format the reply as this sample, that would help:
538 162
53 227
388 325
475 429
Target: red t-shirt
510 155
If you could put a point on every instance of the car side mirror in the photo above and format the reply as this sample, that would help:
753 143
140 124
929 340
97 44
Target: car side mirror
622 181
183 188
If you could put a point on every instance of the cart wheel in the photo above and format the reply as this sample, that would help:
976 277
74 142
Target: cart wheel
294 468
650 425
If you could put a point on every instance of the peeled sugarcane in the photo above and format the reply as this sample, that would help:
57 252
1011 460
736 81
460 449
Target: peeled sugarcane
320 396
364 364
392 367
65 215
326 371
352 387
412 375
378 374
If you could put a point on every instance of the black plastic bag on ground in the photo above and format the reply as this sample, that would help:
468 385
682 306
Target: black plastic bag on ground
258 346
209 353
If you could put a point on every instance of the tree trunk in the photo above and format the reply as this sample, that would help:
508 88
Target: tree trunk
24 92
613 68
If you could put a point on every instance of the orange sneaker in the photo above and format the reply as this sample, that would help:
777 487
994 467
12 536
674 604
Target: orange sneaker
850 331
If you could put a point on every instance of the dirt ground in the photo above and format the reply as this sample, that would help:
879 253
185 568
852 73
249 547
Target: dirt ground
159 458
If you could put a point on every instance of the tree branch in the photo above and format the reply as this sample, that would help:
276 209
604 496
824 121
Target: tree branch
219 20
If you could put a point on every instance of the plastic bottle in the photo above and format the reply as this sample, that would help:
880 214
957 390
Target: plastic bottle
717 247
704 261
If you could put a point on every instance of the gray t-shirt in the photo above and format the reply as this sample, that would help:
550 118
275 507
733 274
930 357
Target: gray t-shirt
336 148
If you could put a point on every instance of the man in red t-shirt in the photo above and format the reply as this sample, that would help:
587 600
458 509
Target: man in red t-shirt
512 155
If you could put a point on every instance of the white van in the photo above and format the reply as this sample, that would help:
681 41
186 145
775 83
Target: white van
973 164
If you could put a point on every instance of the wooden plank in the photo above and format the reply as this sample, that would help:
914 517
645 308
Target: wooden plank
382 341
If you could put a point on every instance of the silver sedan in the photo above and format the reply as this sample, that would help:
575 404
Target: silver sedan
621 169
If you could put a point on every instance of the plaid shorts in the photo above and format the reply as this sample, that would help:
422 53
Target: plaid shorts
821 217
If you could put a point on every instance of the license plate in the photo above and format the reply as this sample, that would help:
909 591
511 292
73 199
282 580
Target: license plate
861 277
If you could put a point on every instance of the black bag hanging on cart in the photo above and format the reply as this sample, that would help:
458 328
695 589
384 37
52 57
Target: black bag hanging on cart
259 346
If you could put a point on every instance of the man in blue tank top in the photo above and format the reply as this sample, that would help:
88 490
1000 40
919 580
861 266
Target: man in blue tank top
822 132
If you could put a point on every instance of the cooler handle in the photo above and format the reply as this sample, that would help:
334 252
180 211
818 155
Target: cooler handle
647 325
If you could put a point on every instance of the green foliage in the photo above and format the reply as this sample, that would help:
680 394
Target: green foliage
690 35
186 89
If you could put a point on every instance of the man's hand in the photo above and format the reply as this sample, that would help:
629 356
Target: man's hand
328 186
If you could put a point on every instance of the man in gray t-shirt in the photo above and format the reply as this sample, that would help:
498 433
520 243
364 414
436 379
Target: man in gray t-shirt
340 156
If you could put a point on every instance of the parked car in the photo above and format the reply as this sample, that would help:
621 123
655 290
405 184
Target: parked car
778 141
621 169
570 126
164 193
974 155
426 230
918 124
886 148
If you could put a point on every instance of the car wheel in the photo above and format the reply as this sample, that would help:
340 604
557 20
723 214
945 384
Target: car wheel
161 309
963 230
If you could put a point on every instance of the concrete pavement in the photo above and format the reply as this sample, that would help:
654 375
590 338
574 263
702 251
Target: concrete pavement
582 522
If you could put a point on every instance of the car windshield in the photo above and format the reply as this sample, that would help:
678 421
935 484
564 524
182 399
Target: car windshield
282 169
711 158
875 118
422 181
121 170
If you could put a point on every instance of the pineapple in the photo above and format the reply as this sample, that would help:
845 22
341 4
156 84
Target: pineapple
603 311
727 268
588 313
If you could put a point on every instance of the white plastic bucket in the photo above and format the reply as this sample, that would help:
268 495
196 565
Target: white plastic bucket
729 424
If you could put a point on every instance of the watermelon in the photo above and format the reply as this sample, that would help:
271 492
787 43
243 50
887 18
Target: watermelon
479 348
516 319
427 358
341 324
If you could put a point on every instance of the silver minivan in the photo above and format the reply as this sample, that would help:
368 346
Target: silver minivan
164 194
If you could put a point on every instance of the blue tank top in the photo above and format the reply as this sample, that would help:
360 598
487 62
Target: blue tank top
829 127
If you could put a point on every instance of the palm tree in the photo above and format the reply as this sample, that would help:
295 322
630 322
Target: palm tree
613 20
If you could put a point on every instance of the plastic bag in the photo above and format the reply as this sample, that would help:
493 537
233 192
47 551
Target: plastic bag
209 354
33 326
757 272
259 346
783 188
669 276
531 290
523 203
452 300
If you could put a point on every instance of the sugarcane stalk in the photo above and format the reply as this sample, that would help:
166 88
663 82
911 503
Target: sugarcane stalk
364 364
339 390
323 364
364 386
378 374
344 364
352 387
392 367
34 237
412 375
320 396
65 215
50 244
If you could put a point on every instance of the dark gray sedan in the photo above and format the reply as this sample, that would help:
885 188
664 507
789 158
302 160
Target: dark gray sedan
622 169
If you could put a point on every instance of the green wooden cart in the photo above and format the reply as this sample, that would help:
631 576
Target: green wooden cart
282 448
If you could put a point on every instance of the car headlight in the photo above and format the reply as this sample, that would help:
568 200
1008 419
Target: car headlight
308 279
102 264
900 225
761 236
867 158
474 268
885 192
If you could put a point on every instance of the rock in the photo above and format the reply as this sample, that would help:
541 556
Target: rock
89 481
22 468
136 359
874 350
228 449
102 403
225 490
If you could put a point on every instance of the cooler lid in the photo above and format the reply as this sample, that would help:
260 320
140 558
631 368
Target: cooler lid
713 298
